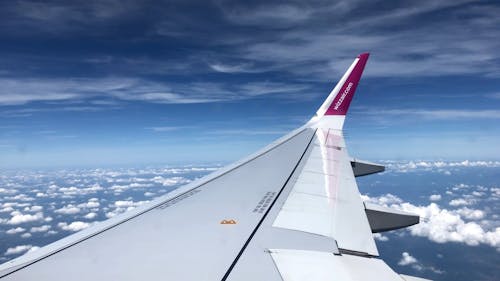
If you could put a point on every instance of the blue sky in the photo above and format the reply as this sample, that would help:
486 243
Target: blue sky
135 82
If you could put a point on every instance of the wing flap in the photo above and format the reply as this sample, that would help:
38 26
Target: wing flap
299 265
325 199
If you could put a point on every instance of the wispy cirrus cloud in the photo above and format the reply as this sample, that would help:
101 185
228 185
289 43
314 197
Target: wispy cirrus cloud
19 92
494 96
57 17
434 114
165 128
231 68
307 40
323 33
248 132
320 45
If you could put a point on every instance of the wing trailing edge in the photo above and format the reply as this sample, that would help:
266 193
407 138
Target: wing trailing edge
296 265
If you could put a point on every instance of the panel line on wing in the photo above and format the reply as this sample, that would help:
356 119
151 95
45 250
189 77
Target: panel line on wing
102 227
228 272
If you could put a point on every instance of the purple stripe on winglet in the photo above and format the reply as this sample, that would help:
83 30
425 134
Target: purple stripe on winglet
341 102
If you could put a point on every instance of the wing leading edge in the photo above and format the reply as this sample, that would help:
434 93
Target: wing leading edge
295 213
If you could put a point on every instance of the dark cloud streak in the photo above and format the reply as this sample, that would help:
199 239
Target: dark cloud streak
216 44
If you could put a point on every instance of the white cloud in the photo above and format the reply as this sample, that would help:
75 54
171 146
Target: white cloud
471 214
380 237
493 237
442 225
73 190
495 192
435 197
18 217
438 166
33 209
90 216
26 235
387 199
92 203
20 197
15 230
170 181
14 204
123 203
42 228
407 259
461 186
19 249
68 210
7 191
478 193
121 206
6 209
118 188
74 226
459 202
114 213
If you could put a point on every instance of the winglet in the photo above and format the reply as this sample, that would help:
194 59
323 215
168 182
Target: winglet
340 98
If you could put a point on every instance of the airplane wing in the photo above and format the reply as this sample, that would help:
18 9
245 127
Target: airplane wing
291 211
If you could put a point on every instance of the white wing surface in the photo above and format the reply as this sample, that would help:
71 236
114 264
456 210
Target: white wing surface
292 211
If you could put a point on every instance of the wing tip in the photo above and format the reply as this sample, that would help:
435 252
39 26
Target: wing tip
364 56
336 105
343 97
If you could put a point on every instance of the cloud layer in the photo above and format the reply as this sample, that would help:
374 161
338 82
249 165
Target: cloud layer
39 207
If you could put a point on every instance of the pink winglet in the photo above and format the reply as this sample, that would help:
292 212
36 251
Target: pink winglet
341 102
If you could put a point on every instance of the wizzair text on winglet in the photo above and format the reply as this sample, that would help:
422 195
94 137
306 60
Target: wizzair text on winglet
343 97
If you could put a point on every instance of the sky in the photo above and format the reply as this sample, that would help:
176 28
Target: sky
97 83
